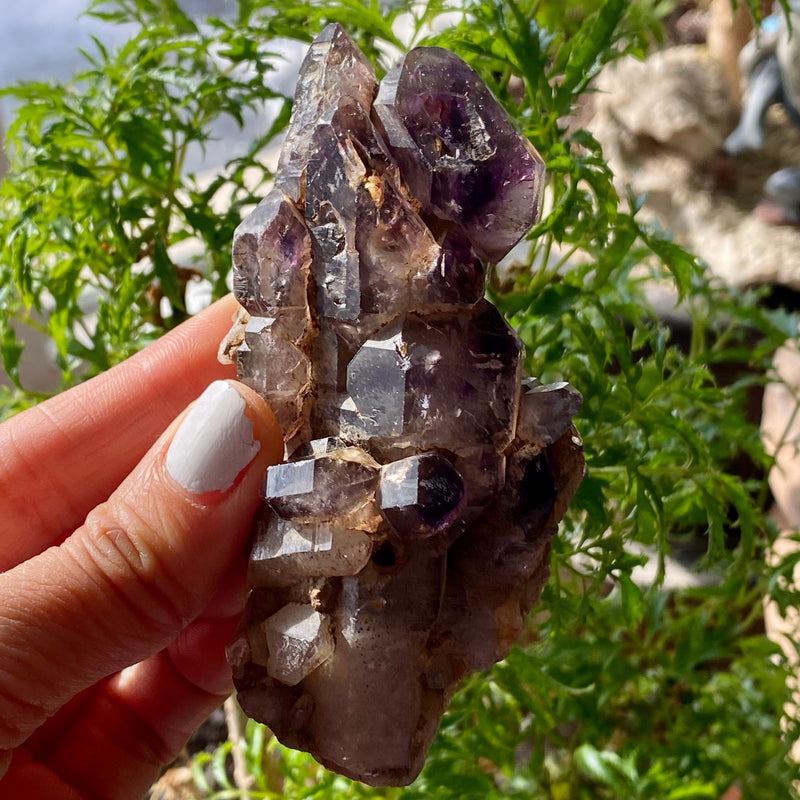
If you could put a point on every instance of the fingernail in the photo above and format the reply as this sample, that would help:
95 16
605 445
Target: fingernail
214 443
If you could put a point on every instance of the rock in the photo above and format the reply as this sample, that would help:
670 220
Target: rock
676 101
407 536
679 182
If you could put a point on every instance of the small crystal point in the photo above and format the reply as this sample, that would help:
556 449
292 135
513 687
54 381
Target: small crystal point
320 87
318 447
286 552
421 495
439 379
299 640
546 411
271 361
272 257
321 488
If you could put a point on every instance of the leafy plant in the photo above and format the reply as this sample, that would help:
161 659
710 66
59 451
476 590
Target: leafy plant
620 689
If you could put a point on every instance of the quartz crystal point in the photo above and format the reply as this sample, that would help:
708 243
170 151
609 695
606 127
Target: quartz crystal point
459 153
406 537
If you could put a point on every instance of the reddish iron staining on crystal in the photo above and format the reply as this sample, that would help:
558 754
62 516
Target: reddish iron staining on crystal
406 537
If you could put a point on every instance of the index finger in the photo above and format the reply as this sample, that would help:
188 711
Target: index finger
66 455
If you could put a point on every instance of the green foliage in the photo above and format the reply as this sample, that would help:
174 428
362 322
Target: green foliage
619 690
97 185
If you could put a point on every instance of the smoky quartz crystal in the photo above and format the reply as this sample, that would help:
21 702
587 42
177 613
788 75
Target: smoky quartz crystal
406 536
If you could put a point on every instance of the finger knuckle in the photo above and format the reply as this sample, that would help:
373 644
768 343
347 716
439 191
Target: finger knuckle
130 570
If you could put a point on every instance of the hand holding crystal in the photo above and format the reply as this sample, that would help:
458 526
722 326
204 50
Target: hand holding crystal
124 551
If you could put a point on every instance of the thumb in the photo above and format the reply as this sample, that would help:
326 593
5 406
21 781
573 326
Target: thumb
143 565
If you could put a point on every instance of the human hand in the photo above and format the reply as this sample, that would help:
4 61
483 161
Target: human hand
123 544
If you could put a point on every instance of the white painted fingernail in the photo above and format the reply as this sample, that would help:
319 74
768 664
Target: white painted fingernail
214 443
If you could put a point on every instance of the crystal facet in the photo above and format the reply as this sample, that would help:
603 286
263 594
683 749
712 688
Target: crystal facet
406 537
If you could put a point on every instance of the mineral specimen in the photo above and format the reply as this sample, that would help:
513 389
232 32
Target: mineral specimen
406 537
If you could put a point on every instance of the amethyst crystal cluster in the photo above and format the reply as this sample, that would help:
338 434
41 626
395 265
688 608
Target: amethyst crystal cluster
406 537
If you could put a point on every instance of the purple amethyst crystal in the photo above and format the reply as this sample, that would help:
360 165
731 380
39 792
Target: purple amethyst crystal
407 535
273 255
458 151
421 495
439 378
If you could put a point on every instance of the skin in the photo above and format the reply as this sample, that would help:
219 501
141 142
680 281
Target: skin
119 589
